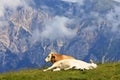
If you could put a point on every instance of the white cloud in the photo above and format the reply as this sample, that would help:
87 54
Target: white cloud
1 10
3 23
12 5
56 28
113 18
80 2
8 4
117 0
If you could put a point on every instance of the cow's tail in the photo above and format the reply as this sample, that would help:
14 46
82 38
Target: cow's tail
91 61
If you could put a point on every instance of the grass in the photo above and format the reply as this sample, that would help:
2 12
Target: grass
108 71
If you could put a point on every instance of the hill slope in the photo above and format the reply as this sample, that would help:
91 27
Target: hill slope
107 71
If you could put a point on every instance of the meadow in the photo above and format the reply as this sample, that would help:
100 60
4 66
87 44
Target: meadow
108 71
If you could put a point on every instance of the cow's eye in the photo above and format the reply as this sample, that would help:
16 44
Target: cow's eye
48 56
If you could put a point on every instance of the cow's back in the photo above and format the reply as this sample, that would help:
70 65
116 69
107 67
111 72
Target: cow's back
61 57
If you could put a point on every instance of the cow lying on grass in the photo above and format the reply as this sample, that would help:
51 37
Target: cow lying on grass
54 57
67 64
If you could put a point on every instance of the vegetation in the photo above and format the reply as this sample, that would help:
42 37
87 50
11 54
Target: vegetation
108 71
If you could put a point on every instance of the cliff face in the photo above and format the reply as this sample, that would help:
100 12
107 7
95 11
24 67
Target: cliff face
85 29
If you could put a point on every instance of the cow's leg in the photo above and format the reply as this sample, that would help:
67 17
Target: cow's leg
49 68
57 69
67 68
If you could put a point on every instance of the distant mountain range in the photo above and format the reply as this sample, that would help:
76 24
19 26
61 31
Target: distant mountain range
84 29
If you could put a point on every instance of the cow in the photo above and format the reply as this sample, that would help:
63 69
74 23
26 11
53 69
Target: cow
67 64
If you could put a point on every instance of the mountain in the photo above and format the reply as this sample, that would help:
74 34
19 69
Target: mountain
84 29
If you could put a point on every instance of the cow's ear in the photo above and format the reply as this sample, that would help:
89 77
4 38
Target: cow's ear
53 56
53 59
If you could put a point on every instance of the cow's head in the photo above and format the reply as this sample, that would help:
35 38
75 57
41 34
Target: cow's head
50 57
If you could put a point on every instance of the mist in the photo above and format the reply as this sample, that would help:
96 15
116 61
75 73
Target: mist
113 18
11 5
117 0
55 28
80 2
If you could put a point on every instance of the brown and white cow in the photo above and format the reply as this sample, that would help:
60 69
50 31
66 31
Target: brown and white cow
54 57
67 64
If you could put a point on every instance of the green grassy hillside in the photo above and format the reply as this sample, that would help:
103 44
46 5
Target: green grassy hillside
109 71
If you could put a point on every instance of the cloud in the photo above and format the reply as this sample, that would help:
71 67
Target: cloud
80 2
113 18
8 4
117 0
12 5
56 28
3 23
